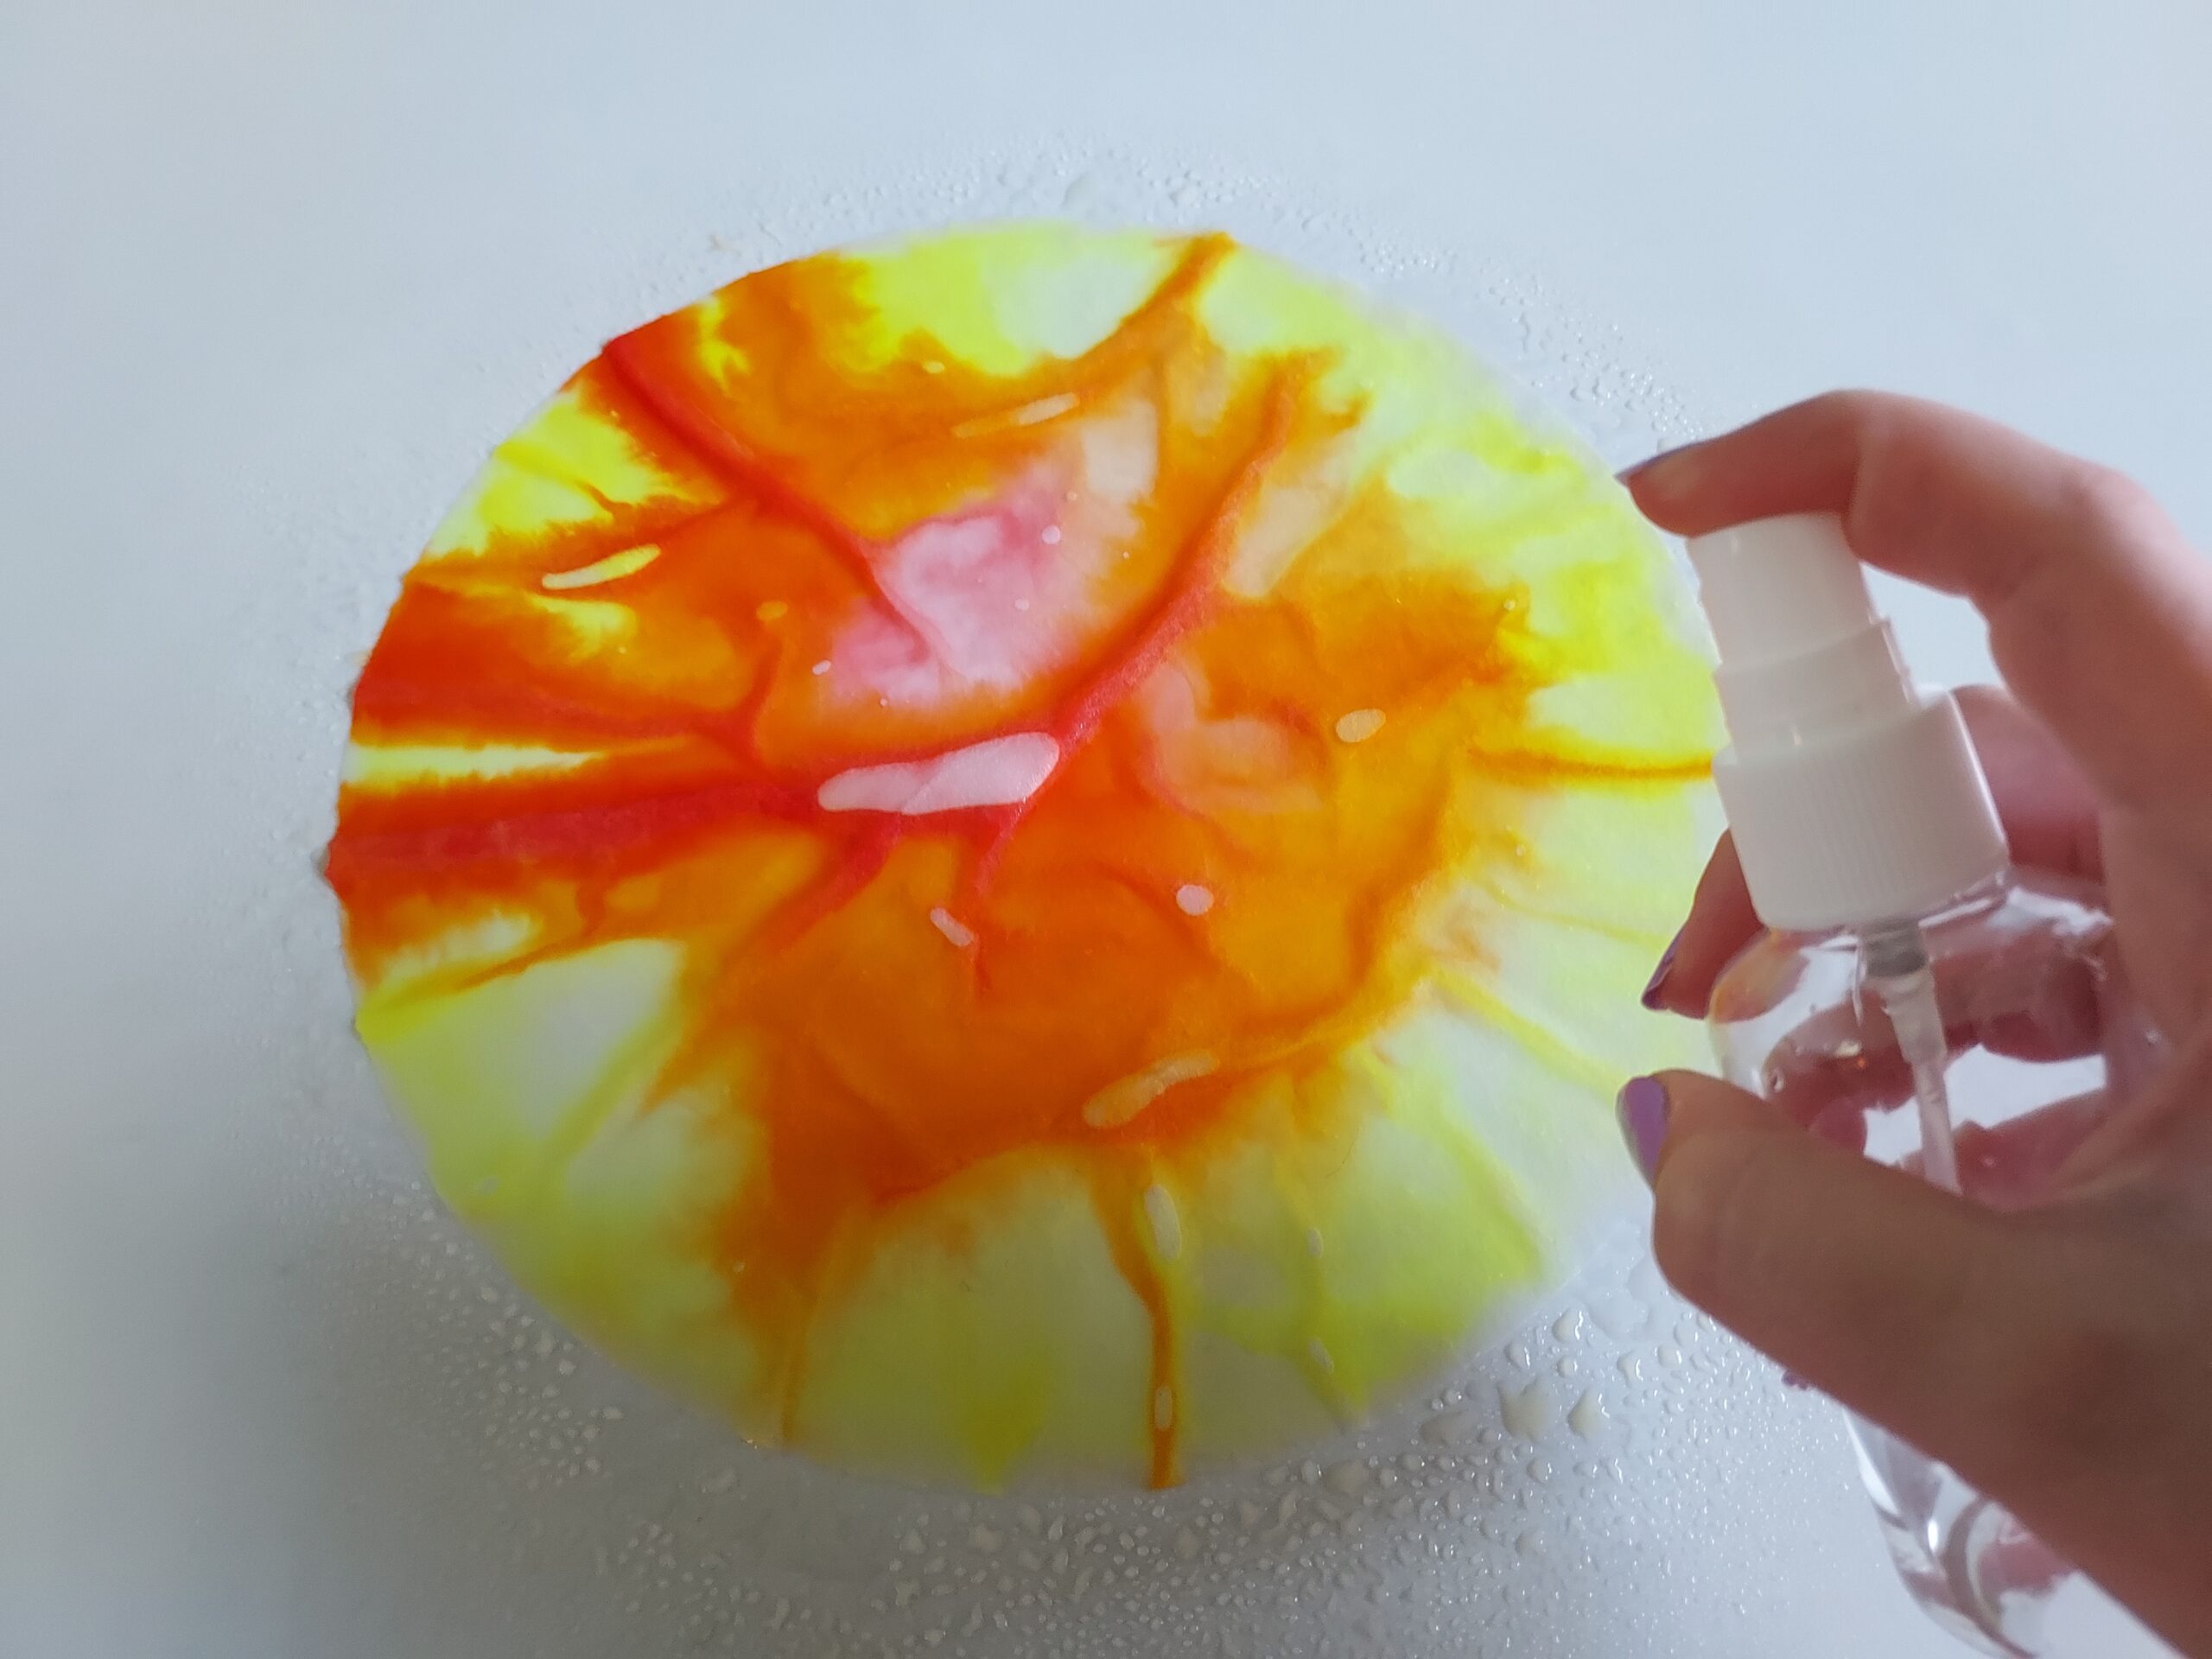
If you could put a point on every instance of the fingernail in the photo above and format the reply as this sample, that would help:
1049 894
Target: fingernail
1658 985
1662 470
1642 1108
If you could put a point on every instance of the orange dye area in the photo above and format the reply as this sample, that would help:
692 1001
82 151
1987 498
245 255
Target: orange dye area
917 704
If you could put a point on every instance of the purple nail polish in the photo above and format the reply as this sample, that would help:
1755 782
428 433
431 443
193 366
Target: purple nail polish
1632 470
1642 1108
1652 991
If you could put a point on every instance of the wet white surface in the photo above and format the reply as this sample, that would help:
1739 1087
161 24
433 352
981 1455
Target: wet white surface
273 277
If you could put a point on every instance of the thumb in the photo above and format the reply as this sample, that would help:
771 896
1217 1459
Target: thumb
2056 1356
1881 1290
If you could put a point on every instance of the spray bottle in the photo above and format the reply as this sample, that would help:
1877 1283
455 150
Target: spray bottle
1913 994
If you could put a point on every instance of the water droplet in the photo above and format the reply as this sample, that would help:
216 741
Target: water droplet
1619 1315
1588 1418
1349 1478
1359 725
1455 1428
1569 1325
1530 1412
1165 1223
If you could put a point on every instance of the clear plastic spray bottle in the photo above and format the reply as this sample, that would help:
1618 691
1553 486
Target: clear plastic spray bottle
1914 995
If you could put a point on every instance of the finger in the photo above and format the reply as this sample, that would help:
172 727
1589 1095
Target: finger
2051 1356
2021 1162
2033 997
2007 1165
2100 614
1721 923
2167 1127
1839 1072
1854 1275
1917 1309
2045 802
2046 805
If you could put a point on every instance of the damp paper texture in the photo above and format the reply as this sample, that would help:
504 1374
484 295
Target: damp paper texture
1028 854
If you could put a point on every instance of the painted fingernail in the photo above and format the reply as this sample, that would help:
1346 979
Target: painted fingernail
1656 989
1642 1108
1663 469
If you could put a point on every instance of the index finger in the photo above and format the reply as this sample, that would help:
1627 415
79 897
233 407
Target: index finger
2100 614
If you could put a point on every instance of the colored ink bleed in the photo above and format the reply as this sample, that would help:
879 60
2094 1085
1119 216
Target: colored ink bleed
1023 855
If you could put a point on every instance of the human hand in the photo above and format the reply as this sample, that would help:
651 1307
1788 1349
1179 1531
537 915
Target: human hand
2058 1354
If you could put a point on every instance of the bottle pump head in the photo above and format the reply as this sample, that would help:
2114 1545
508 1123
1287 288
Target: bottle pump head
1854 798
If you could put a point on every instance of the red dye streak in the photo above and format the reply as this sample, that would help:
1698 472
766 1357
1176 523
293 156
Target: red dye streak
744 468
944 1059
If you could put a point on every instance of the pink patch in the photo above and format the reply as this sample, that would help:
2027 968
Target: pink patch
974 583
1001 593
1212 763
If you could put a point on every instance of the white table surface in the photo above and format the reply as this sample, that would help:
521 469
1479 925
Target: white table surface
274 274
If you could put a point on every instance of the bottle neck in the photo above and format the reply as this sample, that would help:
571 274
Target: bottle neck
1890 816
1982 897
1853 682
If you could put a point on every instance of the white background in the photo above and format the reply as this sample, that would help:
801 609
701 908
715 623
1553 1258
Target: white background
274 276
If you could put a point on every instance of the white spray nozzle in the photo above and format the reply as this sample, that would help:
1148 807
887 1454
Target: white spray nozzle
1804 654
1854 798
1781 586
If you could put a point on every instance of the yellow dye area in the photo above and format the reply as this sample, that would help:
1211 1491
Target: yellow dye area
1026 855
